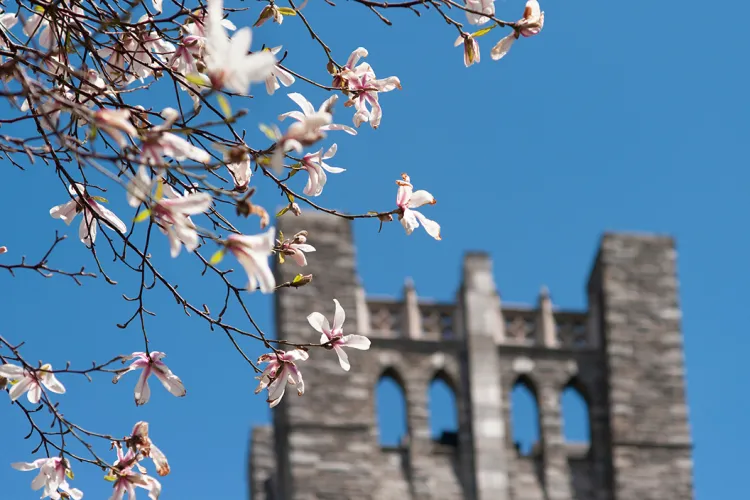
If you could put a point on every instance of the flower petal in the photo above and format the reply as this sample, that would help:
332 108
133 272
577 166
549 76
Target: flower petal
11 371
50 382
339 316
343 358
319 322
421 197
432 227
142 390
356 342
303 103
502 47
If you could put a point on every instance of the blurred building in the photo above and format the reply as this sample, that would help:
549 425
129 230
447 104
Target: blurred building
624 355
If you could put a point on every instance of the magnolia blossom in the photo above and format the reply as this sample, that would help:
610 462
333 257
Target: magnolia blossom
471 48
171 211
7 21
136 48
126 480
151 364
407 199
158 143
228 63
296 248
363 87
270 11
37 23
89 205
278 74
252 252
51 477
316 169
239 164
531 24
486 7
308 113
281 370
140 442
31 381
310 127
116 122
335 335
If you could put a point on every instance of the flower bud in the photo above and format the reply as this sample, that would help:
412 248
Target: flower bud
302 280
2 251
296 210
300 237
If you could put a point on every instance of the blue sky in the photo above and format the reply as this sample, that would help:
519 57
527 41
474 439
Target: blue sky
619 116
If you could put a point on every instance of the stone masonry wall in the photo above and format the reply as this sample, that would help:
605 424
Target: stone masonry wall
624 356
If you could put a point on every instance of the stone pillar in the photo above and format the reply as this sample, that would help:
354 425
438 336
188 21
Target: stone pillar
556 470
363 313
546 328
412 318
335 419
636 278
480 306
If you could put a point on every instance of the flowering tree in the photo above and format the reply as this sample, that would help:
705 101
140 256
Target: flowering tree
74 75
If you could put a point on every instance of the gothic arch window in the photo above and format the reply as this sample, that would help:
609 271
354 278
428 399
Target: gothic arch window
390 408
524 407
443 410
575 414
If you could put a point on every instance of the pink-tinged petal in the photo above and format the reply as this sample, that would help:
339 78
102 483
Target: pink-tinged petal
319 322
278 387
403 195
142 390
356 342
40 480
409 221
258 272
419 198
295 377
333 170
297 115
296 355
87 229
502 47
284 76
303 103
338 126
343 358
339 316
160 461
304 247
11 371
191 204
170 381
73 493
50 382
67 211
459 40
175 245
108 216
35 392
299 258
432 227
324 338
355 56
27 466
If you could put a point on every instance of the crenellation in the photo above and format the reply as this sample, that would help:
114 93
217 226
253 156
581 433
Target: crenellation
623 355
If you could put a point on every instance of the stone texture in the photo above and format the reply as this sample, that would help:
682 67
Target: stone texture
623 355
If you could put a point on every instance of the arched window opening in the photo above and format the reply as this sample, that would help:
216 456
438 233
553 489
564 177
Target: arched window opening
443 411
390 406
575 415
524 416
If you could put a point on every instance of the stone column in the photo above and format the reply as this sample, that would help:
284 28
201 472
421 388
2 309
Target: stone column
482 317
556 470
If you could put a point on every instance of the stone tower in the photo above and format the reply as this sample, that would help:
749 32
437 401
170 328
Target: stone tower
624 355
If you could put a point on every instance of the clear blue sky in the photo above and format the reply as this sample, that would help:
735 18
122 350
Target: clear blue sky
619 116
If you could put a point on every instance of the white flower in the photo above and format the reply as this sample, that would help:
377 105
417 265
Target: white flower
252 252
486 7
151 364
335 335
51 477
158 143
278 74
227 61
531 24
116 122
126 480
316 169
31 381
89 205
139 441
296 248
407 199
281 370
308 112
